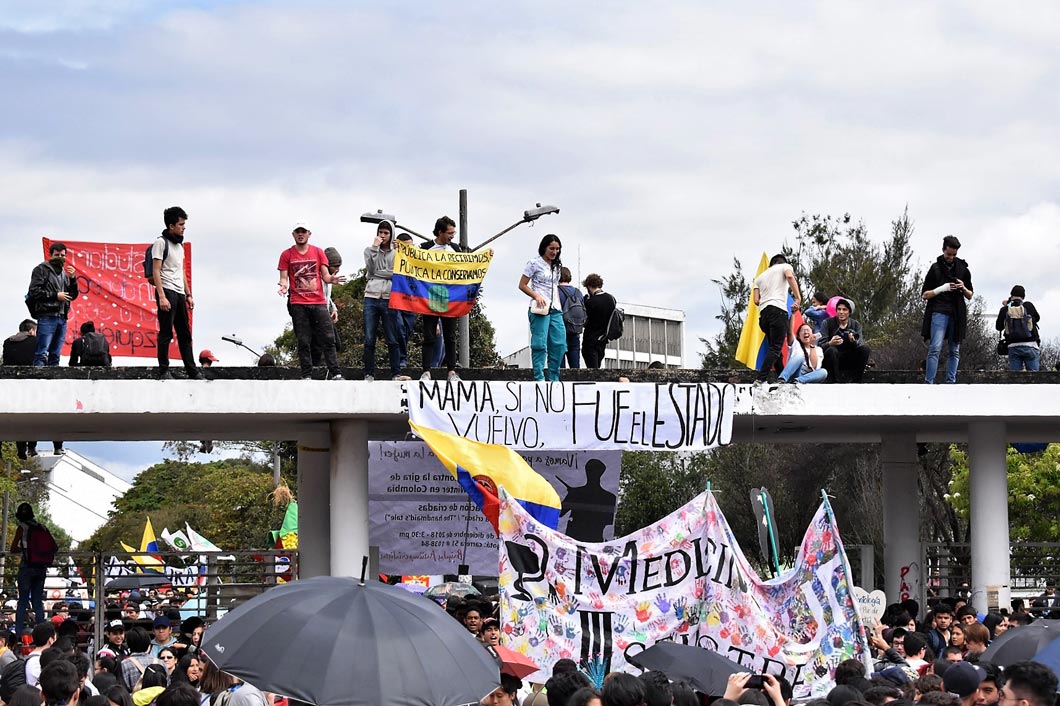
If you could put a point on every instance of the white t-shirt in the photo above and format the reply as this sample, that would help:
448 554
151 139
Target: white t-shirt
172 266
772 286
544 280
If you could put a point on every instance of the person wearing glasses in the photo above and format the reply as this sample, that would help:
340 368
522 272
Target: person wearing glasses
1028 684
168 656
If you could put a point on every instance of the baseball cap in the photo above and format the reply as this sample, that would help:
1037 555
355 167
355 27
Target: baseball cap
962 678
104 652
161 622
207 354
301 224
115 626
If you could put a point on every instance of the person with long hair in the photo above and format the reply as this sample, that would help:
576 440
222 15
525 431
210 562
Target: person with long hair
188 670
805 360
214 682
548 334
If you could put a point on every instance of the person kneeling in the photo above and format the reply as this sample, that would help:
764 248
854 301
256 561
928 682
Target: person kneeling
805 360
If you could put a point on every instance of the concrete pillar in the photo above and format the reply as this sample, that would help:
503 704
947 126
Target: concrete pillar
314 509
988 507
901 518
349 496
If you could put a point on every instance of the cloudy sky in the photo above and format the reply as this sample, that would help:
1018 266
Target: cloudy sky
673 136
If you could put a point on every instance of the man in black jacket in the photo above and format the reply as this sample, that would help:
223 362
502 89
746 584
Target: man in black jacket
51 289
843 344
947 289
599 305
19 350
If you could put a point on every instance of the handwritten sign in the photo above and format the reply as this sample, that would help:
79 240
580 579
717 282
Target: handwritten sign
578 415
422 521
870 605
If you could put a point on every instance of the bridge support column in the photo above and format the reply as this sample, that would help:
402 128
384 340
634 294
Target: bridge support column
314 511
988 508
901 518
349 496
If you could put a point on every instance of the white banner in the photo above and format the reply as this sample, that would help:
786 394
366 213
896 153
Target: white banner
578 415
423 522
682 579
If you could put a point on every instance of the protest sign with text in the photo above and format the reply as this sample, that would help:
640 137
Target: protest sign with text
682 579
437 282
423 522
116 297
578 415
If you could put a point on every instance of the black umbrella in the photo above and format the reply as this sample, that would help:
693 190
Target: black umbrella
334 641
1022 643
707 671
132 581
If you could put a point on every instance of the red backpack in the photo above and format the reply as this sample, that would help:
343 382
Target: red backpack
40 546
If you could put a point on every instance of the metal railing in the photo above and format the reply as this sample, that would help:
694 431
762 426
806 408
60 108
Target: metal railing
209 583
1033 564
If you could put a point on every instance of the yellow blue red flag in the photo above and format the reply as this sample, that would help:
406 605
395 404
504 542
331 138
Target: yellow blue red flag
482 468
753 346
437 282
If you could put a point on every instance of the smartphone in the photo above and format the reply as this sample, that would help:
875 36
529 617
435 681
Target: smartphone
755 682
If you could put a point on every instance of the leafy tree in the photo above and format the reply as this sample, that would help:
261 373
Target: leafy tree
735 293
226 501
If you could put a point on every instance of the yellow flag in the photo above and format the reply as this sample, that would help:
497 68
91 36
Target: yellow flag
752 337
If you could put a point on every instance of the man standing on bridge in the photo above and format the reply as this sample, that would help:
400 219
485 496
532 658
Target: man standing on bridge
770 294
947 289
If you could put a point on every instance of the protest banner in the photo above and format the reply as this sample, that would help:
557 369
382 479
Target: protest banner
116 297
423 522
437 282
578 415
682 579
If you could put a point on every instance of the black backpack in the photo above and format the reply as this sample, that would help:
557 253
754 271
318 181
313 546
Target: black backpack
574 315
149 262
95 350
1019 324
12 676
615 324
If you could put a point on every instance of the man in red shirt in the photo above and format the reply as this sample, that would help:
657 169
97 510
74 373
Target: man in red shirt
303 273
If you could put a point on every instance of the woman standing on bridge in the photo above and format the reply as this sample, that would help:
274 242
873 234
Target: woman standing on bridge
548 335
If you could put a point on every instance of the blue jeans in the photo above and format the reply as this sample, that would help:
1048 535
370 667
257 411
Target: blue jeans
573 357
548 341
51 332
941 328
378 311
794 367
30 583
1020 357
406 322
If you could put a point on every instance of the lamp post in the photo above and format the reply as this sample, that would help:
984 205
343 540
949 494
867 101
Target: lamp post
464 324
239 342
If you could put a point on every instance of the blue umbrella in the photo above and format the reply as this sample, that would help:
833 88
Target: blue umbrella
1050 656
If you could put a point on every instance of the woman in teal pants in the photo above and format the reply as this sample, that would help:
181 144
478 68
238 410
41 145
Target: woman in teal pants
548 335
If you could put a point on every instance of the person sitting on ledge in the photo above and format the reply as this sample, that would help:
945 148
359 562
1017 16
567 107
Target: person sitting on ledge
844 347
805 360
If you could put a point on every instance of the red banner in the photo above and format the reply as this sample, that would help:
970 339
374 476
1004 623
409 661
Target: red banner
115 296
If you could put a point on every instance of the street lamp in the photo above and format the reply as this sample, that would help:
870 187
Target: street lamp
529 216
239 342
379 217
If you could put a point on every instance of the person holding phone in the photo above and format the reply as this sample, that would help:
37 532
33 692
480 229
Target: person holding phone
947 289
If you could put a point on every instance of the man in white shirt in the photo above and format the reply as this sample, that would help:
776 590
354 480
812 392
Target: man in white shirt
43 638
770 294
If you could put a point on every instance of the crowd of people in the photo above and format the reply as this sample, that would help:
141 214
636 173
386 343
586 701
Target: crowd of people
830 347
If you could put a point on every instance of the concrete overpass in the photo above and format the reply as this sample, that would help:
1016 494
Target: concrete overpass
333 421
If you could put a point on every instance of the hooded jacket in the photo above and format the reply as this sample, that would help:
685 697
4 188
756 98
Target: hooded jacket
379 267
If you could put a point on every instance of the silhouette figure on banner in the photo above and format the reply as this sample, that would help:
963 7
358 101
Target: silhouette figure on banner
591 507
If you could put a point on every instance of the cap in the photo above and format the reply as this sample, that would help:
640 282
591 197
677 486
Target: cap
115 626
301 224
962 678
895 675
206 354
105 653
161 622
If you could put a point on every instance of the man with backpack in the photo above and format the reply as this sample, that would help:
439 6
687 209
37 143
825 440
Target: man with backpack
574 316
1018 320
26 672
600 309
91 349
37 548
172 293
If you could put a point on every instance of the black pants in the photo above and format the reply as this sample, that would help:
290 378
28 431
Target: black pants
175 318
593 350
24 448
848 358
430 335
312 320
774 323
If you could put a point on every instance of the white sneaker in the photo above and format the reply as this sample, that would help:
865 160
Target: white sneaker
337 377
369 378
401 378
453 377
426 375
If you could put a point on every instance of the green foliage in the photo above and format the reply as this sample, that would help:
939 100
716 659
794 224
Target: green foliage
735 294
226 501
1033 493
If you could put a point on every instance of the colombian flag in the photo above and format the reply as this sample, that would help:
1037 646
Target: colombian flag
482 468
436 282
149 561
752 348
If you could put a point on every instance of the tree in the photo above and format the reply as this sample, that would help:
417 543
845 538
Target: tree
226 501
735 294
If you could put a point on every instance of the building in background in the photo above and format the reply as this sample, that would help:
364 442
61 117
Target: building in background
650 334
80 493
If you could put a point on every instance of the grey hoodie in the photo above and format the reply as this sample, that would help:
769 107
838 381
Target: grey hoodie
379 267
